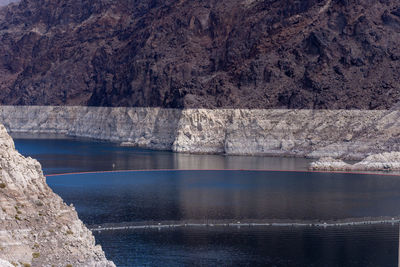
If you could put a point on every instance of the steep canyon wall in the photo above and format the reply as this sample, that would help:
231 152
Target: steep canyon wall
350 134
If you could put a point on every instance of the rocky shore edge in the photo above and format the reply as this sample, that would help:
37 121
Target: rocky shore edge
37 228
340 134
387 161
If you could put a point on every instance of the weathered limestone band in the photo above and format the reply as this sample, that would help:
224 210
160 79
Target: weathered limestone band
349 134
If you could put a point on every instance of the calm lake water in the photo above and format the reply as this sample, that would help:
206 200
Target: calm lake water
61 155
227 195
202 197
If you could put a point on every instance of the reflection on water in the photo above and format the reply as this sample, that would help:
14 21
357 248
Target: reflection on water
75 155
224 195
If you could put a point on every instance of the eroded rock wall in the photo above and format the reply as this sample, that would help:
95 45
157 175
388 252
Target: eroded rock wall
351 134
315 54
37 228
148 127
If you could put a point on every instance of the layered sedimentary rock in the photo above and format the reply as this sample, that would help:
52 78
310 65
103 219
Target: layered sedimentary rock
333 54
351 134
147 127
37 228
388 161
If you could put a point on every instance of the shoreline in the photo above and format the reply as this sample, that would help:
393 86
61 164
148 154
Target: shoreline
311 134
36 221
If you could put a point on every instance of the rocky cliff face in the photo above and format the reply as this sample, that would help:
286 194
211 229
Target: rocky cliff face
350 134
37 228
334 54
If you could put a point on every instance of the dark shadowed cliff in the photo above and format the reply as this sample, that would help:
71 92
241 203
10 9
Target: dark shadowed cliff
210 53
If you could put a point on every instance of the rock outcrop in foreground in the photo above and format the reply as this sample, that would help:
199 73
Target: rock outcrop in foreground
314 54
37 228
388 161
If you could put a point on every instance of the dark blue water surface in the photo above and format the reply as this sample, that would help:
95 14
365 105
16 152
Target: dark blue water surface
158 197
59 155
256 246
224 195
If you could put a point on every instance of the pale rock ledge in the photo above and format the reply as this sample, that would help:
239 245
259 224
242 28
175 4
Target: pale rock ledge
387 161
345 134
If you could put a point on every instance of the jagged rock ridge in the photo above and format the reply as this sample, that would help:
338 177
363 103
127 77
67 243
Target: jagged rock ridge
335 54
37 228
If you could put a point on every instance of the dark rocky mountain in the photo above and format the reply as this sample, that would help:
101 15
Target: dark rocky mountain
206 53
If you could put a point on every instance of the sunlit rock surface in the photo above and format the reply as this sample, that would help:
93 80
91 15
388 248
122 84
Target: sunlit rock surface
346 134
37 227
388 161
330 164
